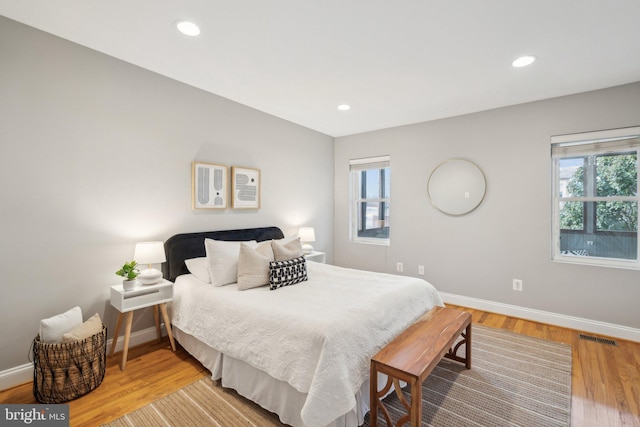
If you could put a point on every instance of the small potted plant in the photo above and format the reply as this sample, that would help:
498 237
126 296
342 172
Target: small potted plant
129 272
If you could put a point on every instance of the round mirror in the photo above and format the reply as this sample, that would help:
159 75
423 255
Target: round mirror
456 186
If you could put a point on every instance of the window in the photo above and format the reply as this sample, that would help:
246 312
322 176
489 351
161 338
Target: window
595 203
370 187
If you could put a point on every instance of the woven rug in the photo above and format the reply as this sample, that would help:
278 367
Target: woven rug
515 380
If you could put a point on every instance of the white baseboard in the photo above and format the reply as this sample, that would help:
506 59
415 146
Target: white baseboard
577 323
15 376
24 373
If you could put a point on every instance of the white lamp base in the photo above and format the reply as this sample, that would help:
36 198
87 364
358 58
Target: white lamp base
150 276
307 249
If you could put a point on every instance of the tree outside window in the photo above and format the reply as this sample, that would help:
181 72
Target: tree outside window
615 175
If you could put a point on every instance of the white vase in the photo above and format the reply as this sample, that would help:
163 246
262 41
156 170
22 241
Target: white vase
129 285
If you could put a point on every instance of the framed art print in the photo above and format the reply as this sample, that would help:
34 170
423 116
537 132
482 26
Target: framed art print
209 186
245 188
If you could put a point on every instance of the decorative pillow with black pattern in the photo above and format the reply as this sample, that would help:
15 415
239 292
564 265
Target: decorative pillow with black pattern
285 273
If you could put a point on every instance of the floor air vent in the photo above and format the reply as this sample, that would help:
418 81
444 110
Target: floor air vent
598 340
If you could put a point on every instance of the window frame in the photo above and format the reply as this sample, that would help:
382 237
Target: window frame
355 197
594 144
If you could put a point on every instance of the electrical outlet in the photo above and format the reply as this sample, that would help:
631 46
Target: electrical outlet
421 270
517 285
399 267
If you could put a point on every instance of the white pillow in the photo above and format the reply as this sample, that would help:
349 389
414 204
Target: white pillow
53 328
199 267
86 330
286 239
286 251
222 257
253 265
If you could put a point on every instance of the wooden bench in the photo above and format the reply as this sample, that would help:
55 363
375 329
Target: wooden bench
412 355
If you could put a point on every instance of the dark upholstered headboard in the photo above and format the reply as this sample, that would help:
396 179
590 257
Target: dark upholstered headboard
191 245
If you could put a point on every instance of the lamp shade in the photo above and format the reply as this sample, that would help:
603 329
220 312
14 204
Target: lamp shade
307 234
149 253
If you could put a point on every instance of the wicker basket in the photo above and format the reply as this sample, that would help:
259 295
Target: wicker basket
66 371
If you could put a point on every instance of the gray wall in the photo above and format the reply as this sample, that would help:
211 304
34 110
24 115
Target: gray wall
96 155
509 235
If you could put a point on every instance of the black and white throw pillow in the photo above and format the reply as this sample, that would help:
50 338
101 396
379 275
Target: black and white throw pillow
285 273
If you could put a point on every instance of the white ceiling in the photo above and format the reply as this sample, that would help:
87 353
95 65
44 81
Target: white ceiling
394 62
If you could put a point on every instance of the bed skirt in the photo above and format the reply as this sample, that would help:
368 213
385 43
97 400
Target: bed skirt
271 394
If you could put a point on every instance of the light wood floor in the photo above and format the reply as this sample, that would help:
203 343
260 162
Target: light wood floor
605 379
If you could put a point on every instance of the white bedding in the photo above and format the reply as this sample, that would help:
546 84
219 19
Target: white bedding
318 335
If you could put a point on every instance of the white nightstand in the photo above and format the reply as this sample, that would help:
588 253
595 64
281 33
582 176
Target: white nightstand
156 295
316 257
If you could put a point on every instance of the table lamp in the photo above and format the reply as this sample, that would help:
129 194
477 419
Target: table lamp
149 253
307 234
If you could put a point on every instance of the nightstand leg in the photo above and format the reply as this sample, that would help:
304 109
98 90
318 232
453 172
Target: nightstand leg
167 324
115 336
156 316
127 335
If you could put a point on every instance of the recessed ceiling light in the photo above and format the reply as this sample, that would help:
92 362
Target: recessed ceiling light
523 61
344 107
188 28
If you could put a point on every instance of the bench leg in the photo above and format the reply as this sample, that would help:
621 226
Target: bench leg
466 340
375 396
414 410
467 347
416 403
373 399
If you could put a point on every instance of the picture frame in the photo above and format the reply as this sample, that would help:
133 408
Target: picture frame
209 186
245 188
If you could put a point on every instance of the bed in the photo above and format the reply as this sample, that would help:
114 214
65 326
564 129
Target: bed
301 351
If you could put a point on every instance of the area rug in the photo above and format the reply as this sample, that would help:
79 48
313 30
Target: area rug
515 380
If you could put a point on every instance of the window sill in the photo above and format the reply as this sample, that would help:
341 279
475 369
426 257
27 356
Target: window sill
597 262
376 242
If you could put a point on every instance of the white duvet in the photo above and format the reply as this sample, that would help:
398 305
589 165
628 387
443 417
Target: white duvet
318 335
